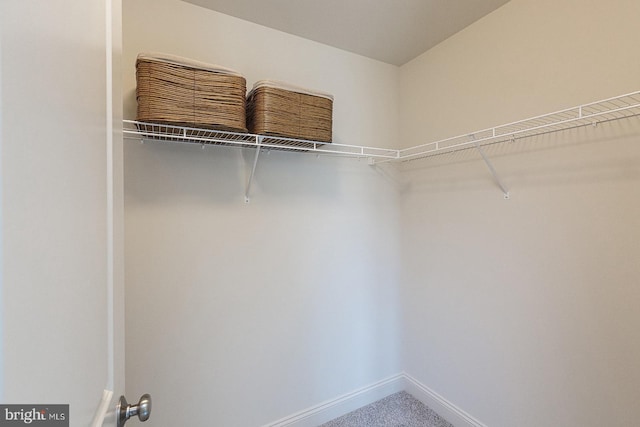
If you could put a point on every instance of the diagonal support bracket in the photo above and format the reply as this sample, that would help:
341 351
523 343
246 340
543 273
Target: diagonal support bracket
492 169
391 173
253 169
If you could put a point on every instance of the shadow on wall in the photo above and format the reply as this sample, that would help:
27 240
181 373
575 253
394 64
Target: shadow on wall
165 172
578 156
160 172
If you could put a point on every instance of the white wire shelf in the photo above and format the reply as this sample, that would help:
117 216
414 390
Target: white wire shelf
191 135
619 107
615 108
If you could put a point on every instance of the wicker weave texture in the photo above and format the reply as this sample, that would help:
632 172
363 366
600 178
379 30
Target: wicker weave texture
181 95
279 112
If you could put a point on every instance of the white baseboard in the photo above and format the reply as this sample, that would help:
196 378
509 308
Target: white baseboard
439 404
334 408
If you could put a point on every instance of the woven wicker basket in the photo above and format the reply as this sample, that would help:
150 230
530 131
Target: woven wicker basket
179 91
279 109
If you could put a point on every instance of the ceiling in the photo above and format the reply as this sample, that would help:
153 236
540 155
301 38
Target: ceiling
392 31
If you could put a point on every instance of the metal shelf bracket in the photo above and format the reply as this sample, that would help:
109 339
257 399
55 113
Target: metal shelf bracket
253 168
492 169
392 174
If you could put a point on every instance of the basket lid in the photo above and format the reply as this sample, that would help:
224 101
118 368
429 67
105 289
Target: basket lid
291 88
178 60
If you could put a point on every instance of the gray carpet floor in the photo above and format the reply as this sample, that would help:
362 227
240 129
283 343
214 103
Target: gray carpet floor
398 410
